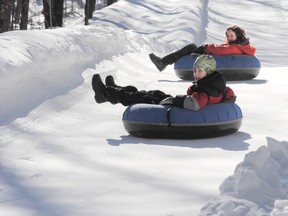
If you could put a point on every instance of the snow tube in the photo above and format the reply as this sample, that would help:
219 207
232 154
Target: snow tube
233 67
158 121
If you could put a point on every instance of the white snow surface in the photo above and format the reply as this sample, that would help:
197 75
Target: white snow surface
63 154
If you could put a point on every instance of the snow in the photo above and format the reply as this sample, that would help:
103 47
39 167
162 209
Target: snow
63 154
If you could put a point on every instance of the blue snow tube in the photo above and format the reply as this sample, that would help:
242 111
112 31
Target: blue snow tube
233 67
158 121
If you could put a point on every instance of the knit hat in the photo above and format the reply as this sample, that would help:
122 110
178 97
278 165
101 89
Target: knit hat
205 63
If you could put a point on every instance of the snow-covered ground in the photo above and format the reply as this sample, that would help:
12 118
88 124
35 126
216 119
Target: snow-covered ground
63 154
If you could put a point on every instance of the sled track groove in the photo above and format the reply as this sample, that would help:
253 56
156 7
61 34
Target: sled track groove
39 110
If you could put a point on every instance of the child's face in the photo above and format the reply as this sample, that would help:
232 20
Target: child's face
199 74
231 36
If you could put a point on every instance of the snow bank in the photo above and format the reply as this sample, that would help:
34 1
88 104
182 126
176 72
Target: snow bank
38 50
37 62
257 182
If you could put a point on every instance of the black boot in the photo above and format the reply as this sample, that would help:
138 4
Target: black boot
99 89
173 57
112 94
157 61
110 82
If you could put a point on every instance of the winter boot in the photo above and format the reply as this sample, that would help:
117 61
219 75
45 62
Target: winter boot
110 82
112 94
173 57
99 89
157 61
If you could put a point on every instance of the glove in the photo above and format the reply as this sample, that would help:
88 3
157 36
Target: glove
201 49
242 41
167 101
230 100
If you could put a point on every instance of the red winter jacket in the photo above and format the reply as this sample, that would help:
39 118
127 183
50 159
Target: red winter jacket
211 89
203 99
230 49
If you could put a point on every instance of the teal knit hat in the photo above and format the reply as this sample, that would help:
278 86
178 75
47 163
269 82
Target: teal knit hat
205 63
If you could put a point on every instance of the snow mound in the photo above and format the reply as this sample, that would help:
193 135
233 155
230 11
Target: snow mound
258 185
41 60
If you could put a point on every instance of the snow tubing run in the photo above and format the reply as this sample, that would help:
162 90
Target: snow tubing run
158 121
233 67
